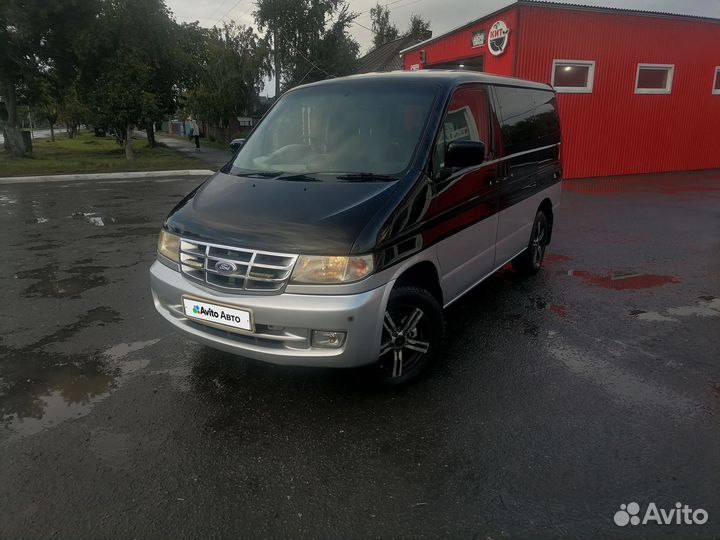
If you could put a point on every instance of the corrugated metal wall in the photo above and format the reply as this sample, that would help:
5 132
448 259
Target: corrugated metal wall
458 45
614 131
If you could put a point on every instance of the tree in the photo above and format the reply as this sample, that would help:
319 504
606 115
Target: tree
129 67
383 30
19 44
72 111
231 63
336 49
36 42
310 39
45 103
419 28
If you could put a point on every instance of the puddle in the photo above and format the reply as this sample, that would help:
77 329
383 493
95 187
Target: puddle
43 272
6 200
624 281
64 288
81 279
618 382
93 218
41 389
708 306
99 316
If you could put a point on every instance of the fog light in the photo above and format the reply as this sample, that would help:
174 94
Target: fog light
327 340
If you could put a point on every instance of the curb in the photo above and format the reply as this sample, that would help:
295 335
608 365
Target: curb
104 176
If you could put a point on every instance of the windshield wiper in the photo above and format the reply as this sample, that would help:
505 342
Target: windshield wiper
258 174
367 177
300 177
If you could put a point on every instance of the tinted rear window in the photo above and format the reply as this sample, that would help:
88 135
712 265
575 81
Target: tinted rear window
528 118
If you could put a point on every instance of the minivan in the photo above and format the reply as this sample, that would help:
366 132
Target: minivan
356 211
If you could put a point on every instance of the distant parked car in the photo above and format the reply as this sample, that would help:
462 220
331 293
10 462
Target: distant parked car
236 145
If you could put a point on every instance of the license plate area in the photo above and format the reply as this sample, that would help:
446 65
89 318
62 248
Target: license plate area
218 315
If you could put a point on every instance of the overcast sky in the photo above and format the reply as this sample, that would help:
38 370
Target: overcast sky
442 14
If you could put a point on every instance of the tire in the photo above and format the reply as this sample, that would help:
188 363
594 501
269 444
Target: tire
530 260
412 333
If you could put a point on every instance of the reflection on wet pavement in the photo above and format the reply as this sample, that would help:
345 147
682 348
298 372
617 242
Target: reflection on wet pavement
40 389
553 398
620 383
40 386
48 284
707 306
67 257
624 281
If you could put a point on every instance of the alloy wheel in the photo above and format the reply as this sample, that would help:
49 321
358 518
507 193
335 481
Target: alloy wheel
405 339
538 243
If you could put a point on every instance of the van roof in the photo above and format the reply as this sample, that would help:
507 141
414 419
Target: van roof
444 76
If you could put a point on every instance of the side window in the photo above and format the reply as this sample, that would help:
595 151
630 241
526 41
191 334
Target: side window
528 118
547 123
467 119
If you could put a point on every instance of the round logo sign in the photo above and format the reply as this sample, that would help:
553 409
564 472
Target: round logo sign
498 38
224 267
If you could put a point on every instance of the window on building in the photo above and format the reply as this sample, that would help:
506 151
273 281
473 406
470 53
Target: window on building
716 85
573 76
654 79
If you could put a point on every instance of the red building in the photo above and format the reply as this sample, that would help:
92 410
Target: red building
638 92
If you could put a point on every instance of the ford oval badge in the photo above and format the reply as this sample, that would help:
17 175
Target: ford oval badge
225 267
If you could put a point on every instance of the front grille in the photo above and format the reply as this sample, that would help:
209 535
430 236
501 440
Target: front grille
234 269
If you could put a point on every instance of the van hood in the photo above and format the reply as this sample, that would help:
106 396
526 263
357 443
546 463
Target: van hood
316 218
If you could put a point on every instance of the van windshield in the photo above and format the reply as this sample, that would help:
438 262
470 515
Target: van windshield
359 129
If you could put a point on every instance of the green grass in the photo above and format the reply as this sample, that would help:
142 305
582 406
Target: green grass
88 154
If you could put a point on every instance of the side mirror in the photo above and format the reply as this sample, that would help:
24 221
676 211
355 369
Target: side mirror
461 154
236 144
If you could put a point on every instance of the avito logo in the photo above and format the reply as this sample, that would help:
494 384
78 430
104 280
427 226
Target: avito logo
680 515
200 310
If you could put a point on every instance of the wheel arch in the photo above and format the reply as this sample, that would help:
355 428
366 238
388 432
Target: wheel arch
423 274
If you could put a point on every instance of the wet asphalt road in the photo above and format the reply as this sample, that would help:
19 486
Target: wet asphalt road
557 399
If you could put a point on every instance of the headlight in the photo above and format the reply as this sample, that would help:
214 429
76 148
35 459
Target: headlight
169 246
315 269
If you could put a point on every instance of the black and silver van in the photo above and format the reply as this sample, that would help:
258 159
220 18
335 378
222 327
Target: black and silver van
358 209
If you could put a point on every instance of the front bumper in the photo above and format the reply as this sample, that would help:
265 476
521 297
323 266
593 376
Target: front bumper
283 322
